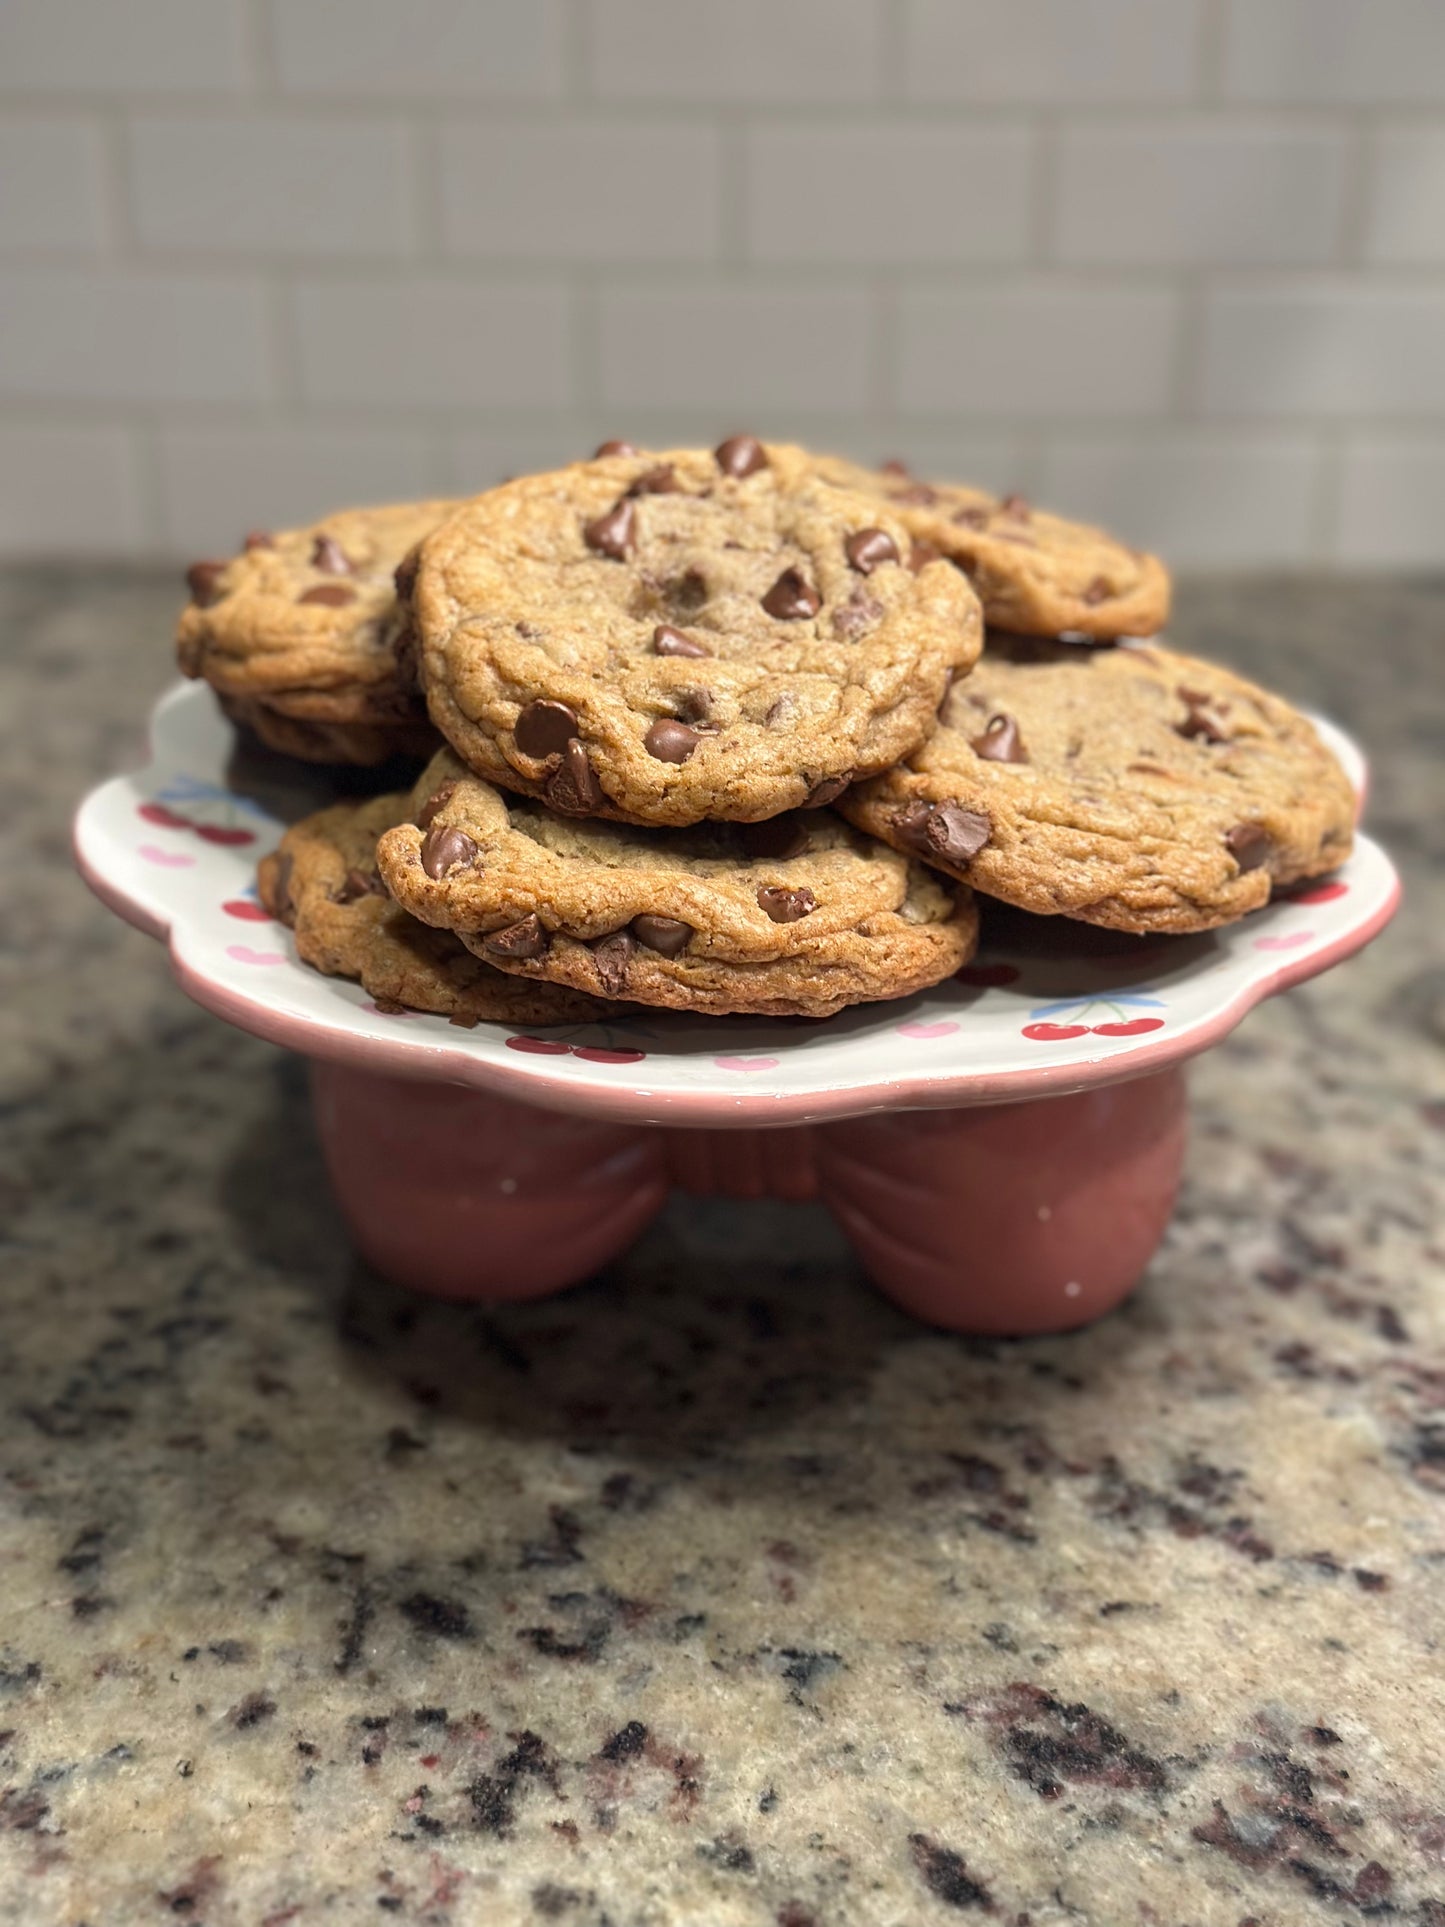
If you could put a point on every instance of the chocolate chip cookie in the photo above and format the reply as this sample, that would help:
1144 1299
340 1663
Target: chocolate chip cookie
1129 787
297 636
671 637
1035 573
323 883
795 916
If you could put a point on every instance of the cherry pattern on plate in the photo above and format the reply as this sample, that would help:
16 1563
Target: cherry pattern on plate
202 809
1099 1016
589 1053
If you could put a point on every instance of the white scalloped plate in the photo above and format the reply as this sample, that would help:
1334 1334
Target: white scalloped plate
1049 1006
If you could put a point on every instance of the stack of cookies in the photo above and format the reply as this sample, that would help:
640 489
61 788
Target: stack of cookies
740 730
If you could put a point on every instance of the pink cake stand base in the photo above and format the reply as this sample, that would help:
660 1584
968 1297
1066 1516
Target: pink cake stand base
1010 1218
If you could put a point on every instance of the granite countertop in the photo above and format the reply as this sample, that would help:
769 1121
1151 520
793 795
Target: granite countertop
715 1592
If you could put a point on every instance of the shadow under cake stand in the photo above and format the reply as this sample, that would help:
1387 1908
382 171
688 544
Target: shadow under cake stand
1002 1151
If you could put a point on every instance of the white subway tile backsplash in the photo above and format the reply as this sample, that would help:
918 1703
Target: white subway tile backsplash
1392 504
1199 500
216 483
1405 214
779 52
581 191
862 195
1364 52
68 490
735 348
439 49
52 185
111 46
1037 350
1204 193
998 462
128 335
267 185
1326 351
1178 264
478 458
449 344
1063 52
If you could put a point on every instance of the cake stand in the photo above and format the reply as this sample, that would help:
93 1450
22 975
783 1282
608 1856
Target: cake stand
1002 1151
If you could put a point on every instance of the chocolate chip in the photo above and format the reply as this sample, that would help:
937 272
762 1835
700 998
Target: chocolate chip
860 613
971 518
1000 742
403 576
1199 723
435 803
687 593
916 495
1249 845
1099 590
826 792
741 455
613 448
203 579
669 741
360 883
329 555
657 481
792 597
894 467
786 906
668 936
613 957
921 554
943 832
260 539
612 533
775 839
544 728
667 641
868 549
1016 506
523 939
445 848
331 595
573 787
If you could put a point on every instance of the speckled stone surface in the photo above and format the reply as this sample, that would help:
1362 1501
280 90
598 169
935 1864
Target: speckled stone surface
715 1592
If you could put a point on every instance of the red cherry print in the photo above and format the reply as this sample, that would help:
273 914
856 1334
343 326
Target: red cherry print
539 1046
1053 1033
1321 893
598 1056
218 833
1135 1027
247 911
986 976
163 818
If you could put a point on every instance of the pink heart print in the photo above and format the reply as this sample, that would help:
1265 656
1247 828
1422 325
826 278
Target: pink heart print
243 953
168 859
1284 943
746 1063
916 1029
